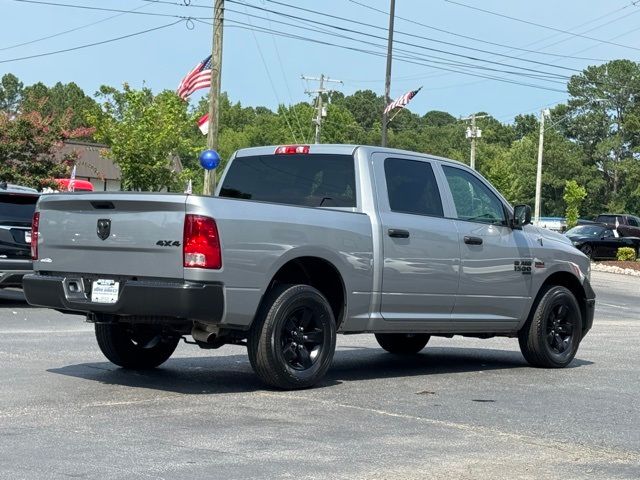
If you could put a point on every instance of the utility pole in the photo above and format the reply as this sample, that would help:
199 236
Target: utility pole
214 91
321 110
472 133
536 215
387 80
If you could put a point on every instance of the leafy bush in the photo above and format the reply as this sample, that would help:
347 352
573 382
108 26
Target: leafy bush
626 254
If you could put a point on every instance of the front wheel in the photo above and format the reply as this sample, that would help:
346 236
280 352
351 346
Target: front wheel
402 343
293 338
551 336
134 346
587 250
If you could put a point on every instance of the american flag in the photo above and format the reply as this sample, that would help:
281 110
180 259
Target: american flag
72 180
402 101
203 124
199 77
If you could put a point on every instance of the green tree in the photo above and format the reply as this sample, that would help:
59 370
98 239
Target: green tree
573 196
29 146
146 134
60 100
603 117
11 90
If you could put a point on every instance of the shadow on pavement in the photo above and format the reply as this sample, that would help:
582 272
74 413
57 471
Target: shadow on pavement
13 299
233 374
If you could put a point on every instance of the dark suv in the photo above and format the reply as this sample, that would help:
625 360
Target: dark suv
627 225
17 205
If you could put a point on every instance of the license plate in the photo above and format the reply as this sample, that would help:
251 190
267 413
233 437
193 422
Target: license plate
104 291
27 237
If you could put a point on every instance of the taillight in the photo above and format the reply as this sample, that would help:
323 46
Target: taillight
201 244
291 149
35 224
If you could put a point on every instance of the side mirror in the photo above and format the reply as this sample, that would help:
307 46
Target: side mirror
521 216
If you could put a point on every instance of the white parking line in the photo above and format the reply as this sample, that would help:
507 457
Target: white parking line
613 306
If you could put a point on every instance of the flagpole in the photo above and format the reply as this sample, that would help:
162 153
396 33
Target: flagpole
214 92
387 81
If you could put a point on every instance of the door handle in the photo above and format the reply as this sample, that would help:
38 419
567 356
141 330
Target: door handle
472 240
398 233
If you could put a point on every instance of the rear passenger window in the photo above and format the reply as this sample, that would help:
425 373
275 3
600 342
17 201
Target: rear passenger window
474 201
412 187
633 222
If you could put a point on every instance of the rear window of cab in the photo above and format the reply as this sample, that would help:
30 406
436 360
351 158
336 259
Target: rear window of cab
317 180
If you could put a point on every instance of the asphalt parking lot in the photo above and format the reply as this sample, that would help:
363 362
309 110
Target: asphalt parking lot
464 408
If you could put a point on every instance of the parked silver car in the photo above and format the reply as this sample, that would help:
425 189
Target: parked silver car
301 242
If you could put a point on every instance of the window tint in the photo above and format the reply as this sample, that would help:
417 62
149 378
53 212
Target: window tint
609 219
412 187
472 198
632 221
17 209
301 179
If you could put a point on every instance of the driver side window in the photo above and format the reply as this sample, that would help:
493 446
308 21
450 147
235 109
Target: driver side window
474 201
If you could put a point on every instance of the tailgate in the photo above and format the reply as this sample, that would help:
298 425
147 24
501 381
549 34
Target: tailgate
128 234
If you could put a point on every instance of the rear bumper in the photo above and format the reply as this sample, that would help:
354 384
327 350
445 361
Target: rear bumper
590 307
12 271
170 300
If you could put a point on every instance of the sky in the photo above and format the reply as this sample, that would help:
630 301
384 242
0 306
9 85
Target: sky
264 69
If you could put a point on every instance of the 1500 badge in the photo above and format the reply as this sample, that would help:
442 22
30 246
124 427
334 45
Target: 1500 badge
523 266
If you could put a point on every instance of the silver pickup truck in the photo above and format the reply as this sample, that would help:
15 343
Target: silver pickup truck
302 242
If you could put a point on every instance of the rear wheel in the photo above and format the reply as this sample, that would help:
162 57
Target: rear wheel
551 336
293 338
134 346
402 343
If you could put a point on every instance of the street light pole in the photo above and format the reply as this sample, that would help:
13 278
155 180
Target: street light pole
536 215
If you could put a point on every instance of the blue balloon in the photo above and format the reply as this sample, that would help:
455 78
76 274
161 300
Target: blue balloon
209 159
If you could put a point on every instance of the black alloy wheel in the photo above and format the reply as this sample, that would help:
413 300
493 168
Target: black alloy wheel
293 338
135 346
587 250
301 338
552 334
560 326
402 343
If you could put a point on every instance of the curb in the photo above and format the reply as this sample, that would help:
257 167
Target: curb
596 267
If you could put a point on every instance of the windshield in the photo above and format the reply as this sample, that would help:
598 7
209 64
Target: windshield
17 209
586 231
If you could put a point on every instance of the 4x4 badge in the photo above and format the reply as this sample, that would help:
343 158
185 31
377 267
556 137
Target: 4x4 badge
104 228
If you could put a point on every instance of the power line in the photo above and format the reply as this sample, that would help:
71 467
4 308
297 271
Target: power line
273 87
284 77
546 76
103 9
489 12
144 5
87 45
476 39
357 22
242 26
353 21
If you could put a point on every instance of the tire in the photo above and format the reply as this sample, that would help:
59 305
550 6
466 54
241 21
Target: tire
552 334
293 338
587 250
402 343
134 346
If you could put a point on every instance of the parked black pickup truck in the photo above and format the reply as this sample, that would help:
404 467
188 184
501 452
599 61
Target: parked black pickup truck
17 205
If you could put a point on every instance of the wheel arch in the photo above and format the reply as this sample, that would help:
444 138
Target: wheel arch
569 281
317 272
